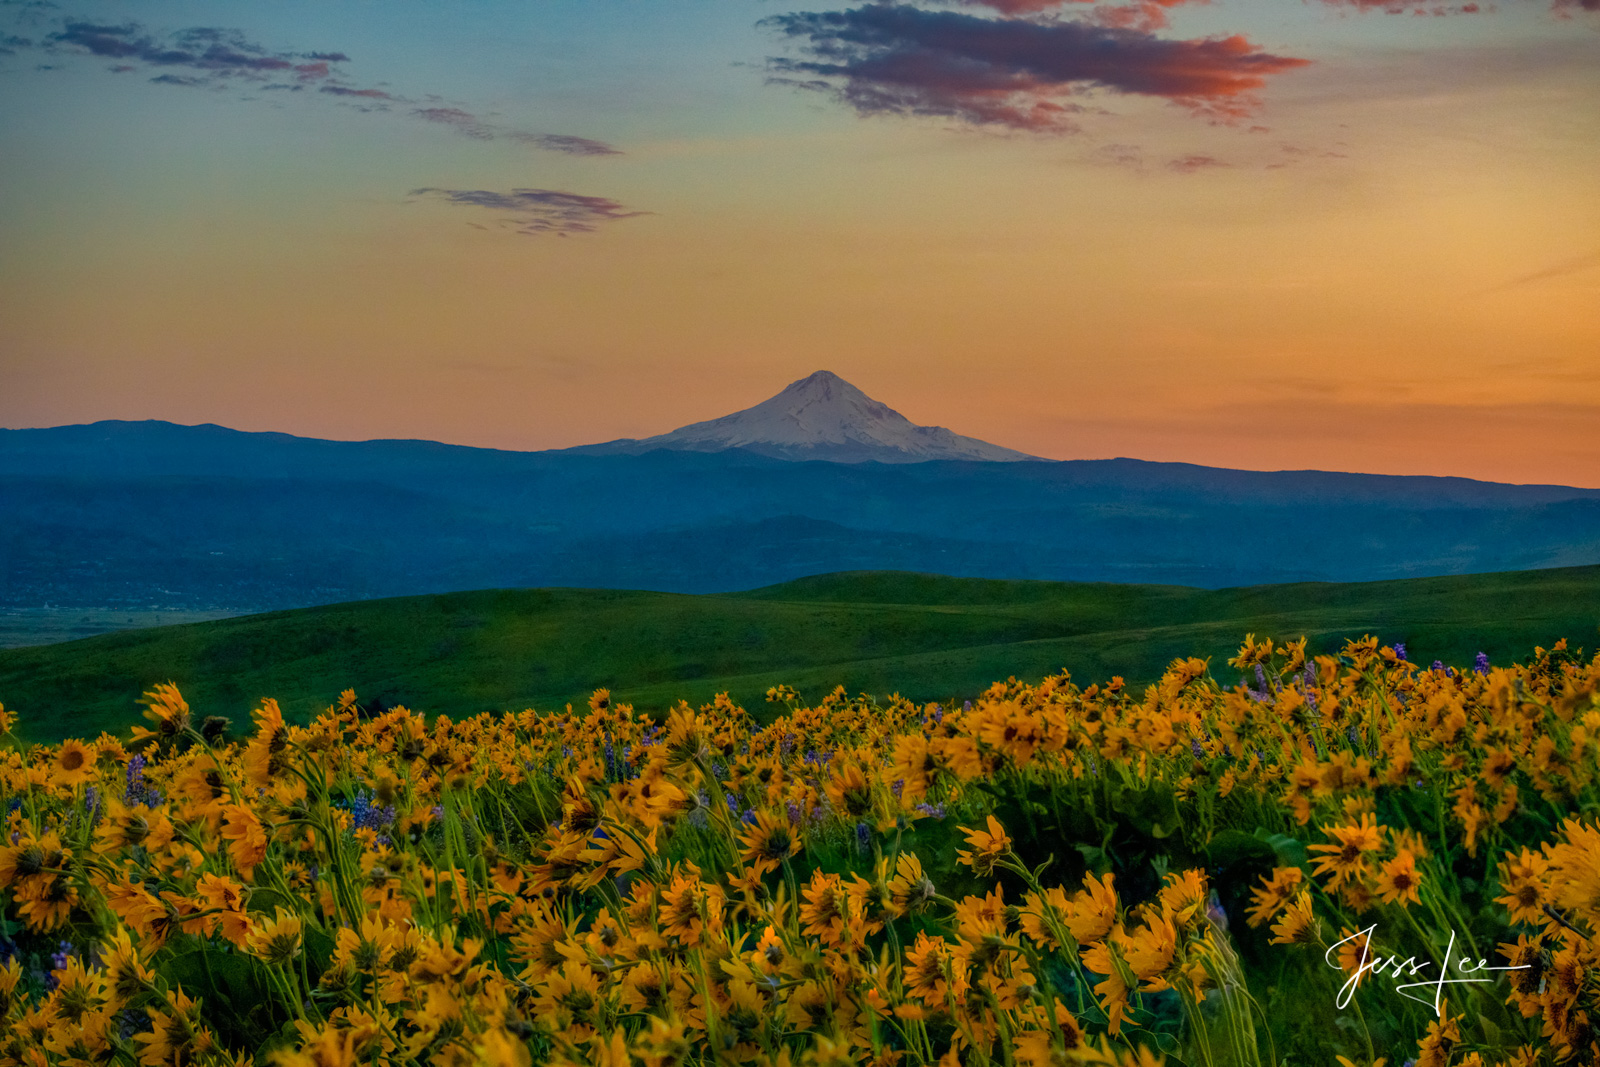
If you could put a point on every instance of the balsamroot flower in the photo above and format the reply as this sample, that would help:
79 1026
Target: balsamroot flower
987 848
247 840
1398 880
1092 914
1345 860
278 940
74 764
1268 900
769 842
1296 925
599 889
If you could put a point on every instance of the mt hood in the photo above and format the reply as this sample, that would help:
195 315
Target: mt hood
819 417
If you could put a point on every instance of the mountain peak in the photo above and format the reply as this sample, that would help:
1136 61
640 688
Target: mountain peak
822 416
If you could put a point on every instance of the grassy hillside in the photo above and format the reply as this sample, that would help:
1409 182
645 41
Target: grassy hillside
926 636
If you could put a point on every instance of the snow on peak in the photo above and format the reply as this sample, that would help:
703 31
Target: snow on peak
822 416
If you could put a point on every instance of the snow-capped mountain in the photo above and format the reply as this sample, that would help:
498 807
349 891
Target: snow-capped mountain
819 417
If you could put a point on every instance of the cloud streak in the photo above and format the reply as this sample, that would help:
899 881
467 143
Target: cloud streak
1558 270
561 142
472 126
1561 8
211 57
902 60
1401 7
538 212
1139 14
219 53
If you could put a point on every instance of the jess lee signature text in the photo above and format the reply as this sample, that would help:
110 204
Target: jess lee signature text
1394 967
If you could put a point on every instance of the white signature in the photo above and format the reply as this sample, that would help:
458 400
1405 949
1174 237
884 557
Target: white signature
1410 968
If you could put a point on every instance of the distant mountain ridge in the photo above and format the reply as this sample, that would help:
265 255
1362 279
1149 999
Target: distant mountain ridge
819 417
141 514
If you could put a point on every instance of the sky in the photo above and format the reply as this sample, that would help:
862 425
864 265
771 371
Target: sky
1267 234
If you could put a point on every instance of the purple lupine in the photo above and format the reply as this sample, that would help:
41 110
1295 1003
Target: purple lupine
1400 651
364 815
91 803
1216 912
897 787
1196 748
793 810
863 837
935 811
135 774
1438 665
58 962
1481 664
139 791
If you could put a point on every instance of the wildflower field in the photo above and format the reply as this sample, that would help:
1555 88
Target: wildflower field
1348 859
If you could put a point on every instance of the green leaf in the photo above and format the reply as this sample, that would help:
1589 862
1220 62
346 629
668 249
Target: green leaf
268 901
1290 852
234 987
1237 851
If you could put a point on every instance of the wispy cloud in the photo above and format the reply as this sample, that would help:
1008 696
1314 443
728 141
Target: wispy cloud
464 121
1017 73
363 94
219 53
1561 8
1556 270
538 212
473 126
1401 7
561 142
1136 14
29 12
1191 164
212 57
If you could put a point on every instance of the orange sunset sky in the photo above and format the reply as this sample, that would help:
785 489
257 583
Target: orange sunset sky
1250 233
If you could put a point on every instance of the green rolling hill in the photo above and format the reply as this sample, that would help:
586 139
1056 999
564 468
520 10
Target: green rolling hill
924 636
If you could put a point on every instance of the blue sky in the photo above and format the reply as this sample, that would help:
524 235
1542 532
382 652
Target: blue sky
1247 232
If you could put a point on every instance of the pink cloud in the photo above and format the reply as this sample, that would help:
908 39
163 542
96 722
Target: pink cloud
899 59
